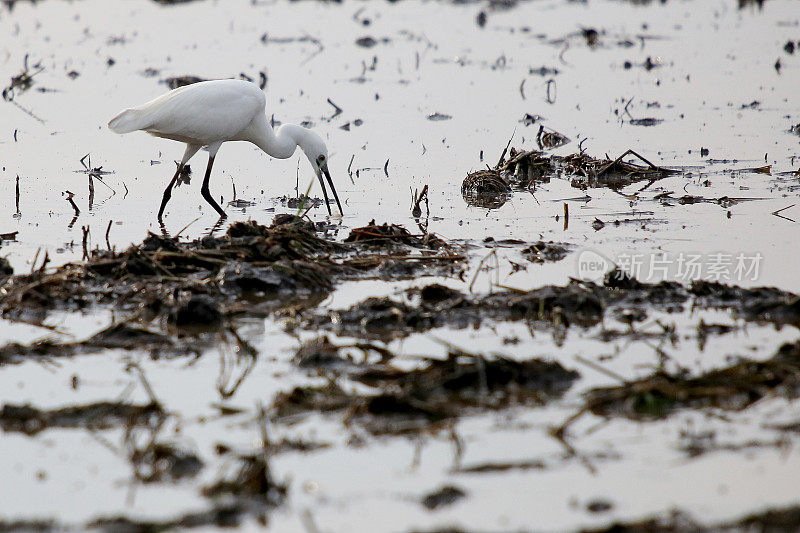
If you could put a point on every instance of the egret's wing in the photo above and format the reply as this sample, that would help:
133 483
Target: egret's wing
202 113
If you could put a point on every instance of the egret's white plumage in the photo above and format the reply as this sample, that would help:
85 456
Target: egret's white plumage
208 113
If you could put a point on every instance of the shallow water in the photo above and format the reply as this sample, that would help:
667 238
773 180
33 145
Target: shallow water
713 60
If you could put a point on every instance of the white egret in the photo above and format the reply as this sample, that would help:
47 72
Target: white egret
208 113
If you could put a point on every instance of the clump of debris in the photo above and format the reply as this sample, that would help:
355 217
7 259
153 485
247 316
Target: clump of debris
579 303
400 401
252 269
524 169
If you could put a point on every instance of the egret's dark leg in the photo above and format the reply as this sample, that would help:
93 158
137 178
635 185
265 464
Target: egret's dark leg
168 191
204 190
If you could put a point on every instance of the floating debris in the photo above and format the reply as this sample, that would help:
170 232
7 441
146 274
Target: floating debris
547 139
447 495
181 81
485 188
546 252
97 416
406 401
436 117
731 388
22 81
646 122
526 168
366 42
251 482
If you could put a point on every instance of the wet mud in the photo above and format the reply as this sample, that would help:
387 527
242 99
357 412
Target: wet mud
580 303
403 401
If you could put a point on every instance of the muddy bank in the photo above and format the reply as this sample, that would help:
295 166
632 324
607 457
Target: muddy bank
578 303
97 416
399 401
186 287
774 520
733 388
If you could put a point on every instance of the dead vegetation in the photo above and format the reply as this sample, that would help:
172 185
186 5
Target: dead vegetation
777 520
402 401
97 416
252 269
730 388
546 252
578 303
523 170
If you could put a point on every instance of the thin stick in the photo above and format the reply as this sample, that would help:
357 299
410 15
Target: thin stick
338 110
186 226
503 155
349 169
72 202
108 230
602 370
146 384
262 423
35 257
480 265
777 213
85 230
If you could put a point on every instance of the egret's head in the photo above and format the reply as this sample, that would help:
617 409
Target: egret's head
317 153
314 148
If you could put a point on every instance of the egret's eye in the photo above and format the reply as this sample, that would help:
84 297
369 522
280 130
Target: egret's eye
322 159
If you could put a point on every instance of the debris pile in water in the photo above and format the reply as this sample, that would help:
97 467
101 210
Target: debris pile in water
523 170
440 389
252 269
580 303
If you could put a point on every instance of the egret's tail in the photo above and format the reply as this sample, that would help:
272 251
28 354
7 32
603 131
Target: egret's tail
127 121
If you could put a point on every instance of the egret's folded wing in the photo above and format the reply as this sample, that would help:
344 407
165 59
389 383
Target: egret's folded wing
203 112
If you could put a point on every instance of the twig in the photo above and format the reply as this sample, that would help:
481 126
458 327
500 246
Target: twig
72 202
186 226
337 110
35 257
44 262
262 424
619 159
503 155
777 213
550 94
480 265
349 169
416 209
146 384
85 230
108 230
602 370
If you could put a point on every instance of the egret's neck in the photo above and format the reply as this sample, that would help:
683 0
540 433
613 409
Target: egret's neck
280 144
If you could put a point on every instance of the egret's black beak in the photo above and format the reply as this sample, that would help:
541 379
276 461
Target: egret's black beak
324 169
